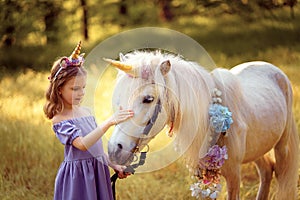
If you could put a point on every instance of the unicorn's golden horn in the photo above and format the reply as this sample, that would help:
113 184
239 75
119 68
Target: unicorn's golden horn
76 52
119 65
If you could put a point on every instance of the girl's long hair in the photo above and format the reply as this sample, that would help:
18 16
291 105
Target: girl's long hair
54 101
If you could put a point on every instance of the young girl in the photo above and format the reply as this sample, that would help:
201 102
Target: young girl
83 175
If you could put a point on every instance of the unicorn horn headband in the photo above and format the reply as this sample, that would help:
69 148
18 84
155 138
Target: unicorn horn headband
75 60
75 54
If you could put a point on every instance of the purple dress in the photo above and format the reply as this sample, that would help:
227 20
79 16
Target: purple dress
83 175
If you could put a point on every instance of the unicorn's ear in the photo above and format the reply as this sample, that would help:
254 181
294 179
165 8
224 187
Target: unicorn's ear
165 67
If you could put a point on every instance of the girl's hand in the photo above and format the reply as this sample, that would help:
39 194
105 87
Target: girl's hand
121 115
120 170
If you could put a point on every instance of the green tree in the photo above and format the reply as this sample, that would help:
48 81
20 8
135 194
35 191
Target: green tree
166 13
84 7
51 13
19 19
15 21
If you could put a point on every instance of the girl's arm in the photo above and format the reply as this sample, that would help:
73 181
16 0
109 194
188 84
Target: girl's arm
84 143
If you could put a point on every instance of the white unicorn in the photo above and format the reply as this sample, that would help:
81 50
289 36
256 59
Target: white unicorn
164 89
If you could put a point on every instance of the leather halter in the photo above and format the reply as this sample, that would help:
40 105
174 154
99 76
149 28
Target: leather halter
149 126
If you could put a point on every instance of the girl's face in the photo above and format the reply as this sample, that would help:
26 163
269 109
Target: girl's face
72 91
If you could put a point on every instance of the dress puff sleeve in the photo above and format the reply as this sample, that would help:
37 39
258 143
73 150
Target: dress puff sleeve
66 132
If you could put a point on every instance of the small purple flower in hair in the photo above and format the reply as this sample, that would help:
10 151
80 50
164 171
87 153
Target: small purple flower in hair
75 60
146 72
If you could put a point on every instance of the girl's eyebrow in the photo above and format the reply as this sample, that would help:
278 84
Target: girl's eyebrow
78 86
75 86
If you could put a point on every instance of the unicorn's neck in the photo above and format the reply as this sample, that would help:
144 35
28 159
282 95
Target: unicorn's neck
191 88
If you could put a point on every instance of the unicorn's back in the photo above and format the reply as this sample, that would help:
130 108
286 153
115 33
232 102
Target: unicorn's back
267 92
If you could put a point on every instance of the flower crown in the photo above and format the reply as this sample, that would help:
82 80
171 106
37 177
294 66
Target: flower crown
74 60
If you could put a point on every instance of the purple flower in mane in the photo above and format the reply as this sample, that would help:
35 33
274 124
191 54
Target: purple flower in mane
146 72
214 158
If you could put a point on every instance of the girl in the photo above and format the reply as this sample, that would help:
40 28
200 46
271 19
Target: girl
83 174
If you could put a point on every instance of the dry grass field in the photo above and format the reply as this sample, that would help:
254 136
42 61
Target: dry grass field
31 155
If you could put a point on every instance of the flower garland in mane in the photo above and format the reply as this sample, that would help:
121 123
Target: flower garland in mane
209 167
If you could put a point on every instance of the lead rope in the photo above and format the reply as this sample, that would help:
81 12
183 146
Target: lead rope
128 169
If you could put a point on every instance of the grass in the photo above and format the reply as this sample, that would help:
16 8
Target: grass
31 155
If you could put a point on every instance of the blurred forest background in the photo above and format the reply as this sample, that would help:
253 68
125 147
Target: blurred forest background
33 33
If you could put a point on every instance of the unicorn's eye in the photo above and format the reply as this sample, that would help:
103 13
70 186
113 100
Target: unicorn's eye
148 99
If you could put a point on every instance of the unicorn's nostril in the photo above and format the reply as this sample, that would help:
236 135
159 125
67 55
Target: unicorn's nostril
120 146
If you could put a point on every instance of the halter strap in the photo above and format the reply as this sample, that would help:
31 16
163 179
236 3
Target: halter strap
153 119
149 125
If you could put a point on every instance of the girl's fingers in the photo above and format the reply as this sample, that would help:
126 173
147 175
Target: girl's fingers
126 113
122 115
